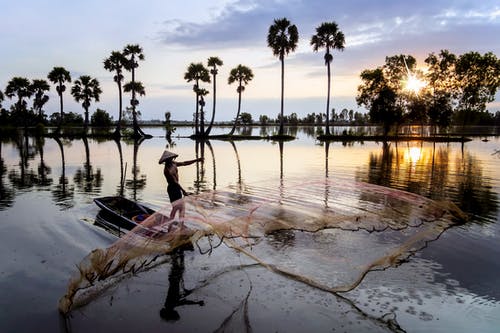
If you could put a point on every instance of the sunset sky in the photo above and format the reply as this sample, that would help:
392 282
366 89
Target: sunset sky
78 35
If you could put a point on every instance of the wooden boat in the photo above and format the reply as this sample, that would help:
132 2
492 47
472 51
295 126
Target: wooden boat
121 212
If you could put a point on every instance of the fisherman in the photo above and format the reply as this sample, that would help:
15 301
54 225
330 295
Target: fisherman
174 189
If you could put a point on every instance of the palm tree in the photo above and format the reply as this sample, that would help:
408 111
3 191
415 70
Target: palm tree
242 75
115 63
282 39
58 76
133 53
328 36
213 62
39 87
197 72
85 90
19 87
202 92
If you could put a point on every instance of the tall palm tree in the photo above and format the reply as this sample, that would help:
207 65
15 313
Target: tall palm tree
115 63
197 72
39 87
58 76
133 53
282 39
19 87
213 62
202 92
85 90
328 36
242 75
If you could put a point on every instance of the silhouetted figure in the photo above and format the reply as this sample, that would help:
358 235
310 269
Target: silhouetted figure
174 189
176 295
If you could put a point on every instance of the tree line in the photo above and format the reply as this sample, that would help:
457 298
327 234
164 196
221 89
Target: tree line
453 88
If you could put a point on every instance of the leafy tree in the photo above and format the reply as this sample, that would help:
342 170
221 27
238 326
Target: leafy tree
213 62
243 75
19 87
377 95
116 63
442 84
478 78
328 36
39 87
84 90
197 72
133 53
100 118
282 38
58 76
246 118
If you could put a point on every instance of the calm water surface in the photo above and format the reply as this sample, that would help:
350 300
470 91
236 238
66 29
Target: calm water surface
47 227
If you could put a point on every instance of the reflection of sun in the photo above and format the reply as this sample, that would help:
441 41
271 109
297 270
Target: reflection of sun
413 84
413 154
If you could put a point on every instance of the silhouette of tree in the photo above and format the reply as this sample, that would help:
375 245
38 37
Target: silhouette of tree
442 82
39 87
282 39
58 76
86 180
243 75
213 62
19 87
328 36
115 63
133 53
197 72
202 92
84 90
379 98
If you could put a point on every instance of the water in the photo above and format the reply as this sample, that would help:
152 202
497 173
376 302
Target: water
47 226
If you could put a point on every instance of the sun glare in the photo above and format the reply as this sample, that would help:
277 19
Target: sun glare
413 84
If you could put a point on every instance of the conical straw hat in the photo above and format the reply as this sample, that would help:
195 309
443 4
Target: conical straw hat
166 155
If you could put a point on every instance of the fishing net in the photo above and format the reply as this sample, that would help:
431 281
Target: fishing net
327 234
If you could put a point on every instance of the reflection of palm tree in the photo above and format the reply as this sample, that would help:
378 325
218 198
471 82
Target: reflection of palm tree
26 178
213 164
122 173
240 180
177 294
6 194
43 169
86 180
200 182
138 182
63 194
327 173
282 39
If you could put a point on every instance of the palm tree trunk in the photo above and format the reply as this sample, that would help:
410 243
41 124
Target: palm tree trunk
86 123
207 133
134 115
282 120
238 113
62 114
328 101
119 125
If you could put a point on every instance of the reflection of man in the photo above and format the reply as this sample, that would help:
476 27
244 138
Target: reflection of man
176 296
174 189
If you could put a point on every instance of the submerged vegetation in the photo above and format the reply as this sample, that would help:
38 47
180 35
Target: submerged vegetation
451 90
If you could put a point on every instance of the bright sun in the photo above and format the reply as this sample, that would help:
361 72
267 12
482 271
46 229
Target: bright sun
413 84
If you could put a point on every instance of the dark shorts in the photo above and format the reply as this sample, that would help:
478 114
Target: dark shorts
174 192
